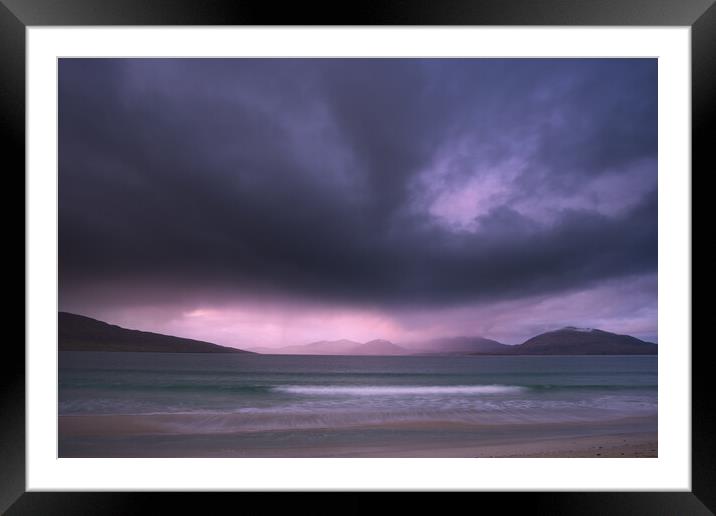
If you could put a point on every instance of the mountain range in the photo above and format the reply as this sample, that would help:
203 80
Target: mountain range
80 333
565 341
340 347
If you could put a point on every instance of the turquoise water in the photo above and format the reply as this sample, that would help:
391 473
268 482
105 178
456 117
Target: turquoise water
273 393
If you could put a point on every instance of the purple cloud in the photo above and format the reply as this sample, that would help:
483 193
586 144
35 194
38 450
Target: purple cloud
378 186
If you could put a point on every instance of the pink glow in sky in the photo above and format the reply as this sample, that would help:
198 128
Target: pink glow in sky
280 322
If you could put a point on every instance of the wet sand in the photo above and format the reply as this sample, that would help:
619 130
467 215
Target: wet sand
160 436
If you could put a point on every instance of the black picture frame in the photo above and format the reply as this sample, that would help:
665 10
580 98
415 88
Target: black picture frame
16 15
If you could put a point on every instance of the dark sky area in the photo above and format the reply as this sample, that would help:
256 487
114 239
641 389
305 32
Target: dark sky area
279 201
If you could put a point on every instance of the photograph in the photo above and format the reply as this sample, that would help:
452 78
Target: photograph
423 257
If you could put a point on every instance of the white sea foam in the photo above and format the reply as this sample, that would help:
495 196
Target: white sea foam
398 390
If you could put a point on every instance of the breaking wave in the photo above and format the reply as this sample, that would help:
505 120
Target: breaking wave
402 390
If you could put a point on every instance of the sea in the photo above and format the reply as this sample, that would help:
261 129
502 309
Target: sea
269 402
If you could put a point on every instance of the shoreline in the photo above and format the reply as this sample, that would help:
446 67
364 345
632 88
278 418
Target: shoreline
175 424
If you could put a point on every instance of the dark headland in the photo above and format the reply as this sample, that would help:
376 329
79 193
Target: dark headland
80 333
584 341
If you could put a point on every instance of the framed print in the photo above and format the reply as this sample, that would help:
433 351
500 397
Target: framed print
421 249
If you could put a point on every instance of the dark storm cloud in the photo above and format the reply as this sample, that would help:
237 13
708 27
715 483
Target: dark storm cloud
340 179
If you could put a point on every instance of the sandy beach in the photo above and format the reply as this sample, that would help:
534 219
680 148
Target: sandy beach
159 436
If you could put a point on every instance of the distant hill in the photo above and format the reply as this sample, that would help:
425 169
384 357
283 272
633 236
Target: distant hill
584 341
323 347
379 347
340 347
79 333
460 346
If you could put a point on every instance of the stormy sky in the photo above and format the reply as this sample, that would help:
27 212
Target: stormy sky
268 202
